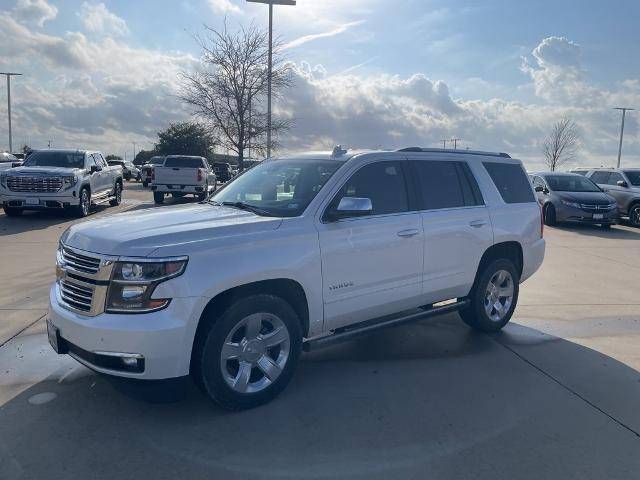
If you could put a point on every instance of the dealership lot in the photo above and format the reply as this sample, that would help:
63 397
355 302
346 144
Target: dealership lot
560 382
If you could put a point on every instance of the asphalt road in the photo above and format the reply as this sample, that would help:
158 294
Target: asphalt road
555 395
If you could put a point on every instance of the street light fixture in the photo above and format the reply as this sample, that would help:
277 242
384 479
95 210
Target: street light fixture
271 3
624 111
9 75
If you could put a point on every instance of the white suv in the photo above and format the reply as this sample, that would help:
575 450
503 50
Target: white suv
293 254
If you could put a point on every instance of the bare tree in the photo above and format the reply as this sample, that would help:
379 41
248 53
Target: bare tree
562 144
228 90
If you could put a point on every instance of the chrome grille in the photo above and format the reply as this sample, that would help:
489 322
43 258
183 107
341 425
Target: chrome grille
76 296
39 184
596 208
79 262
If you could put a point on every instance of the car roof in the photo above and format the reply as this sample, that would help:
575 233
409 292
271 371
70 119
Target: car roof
560 174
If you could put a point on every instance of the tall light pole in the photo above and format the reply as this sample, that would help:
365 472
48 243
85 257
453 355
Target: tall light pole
271 3
9 75
624 112
134 150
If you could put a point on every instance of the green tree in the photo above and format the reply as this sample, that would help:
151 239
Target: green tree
184 139
143 156
112 157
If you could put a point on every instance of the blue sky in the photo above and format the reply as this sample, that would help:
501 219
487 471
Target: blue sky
368 73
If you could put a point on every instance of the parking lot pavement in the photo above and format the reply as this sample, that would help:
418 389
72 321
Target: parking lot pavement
552 396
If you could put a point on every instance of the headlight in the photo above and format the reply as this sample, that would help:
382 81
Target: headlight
570 204
69 181
133 282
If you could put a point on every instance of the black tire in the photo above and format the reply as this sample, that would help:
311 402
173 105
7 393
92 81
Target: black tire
475 315
550 215
201 197
127 177
177 194
117 190
634 215
605 226
145 184
12 211
158 197
207 365
84 203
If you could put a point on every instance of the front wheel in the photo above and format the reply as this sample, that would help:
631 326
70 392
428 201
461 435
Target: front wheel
158 197
248 355
634 215
12 211
493 297
550 215
84 204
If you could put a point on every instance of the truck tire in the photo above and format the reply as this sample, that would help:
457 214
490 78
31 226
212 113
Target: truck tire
117 195
247 355
84 203
493 297
145 184
12 211
158 197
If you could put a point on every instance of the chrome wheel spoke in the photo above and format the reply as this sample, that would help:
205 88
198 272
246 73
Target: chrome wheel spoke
231 351
253 326
269 367
278 336
507 291
502 275
241 381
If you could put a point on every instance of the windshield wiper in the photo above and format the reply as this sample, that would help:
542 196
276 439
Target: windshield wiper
249 208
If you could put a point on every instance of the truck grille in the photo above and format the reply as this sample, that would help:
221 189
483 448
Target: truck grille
81 263
21 183
77 296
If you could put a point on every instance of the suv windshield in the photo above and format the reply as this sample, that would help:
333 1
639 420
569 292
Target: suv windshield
282 188
184 162
45 158
570 183
633 176
156 161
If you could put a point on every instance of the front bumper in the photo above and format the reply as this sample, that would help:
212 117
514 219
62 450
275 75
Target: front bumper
571 214
38 201
178 188
162 339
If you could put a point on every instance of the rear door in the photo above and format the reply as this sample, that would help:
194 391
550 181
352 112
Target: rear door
456 225
372 265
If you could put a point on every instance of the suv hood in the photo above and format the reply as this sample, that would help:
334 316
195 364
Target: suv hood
590 198
44 170
139 233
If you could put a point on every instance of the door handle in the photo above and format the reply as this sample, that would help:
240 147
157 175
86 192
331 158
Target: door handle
410 232
477 223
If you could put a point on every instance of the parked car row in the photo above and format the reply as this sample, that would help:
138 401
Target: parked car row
594 196
129 170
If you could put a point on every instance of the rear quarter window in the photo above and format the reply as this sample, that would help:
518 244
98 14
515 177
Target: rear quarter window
511 181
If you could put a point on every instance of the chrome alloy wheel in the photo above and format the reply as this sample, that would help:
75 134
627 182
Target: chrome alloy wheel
255 352
85 202
634 215
498 296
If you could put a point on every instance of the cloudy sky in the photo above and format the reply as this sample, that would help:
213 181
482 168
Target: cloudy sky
368 73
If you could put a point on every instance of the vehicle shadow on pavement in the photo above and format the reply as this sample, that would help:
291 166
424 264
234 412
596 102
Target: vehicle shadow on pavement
621 231
430 400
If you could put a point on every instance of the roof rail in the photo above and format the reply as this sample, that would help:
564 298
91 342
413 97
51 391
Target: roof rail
461 152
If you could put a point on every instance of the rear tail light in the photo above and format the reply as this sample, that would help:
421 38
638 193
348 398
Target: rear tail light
199 174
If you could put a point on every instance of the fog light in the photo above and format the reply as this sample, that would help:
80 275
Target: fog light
131 292
129 361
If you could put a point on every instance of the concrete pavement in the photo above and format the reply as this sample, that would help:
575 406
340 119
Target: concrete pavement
554 395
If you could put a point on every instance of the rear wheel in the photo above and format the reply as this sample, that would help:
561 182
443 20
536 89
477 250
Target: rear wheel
158 197
606 226
12 211
634 214
117 195
145 184
549 215
248 355
493 297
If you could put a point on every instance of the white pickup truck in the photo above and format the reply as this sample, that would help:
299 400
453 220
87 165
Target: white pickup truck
56 179
294 254
180 175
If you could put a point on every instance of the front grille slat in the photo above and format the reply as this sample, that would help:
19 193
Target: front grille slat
76 296
79 262
596 208
34 184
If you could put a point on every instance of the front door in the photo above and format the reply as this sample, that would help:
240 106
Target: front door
372 265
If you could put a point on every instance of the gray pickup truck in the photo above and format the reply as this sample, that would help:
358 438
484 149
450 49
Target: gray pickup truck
60 179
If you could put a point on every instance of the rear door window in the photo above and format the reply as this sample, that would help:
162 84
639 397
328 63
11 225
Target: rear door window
445 184
511 181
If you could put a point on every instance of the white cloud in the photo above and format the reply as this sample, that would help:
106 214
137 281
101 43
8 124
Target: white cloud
314 36
35 12
96 18
223 6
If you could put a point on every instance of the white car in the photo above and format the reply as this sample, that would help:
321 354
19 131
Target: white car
295 253
57 179
181 175
7 161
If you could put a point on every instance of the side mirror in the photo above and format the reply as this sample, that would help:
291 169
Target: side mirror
95 168
351 207
622 183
